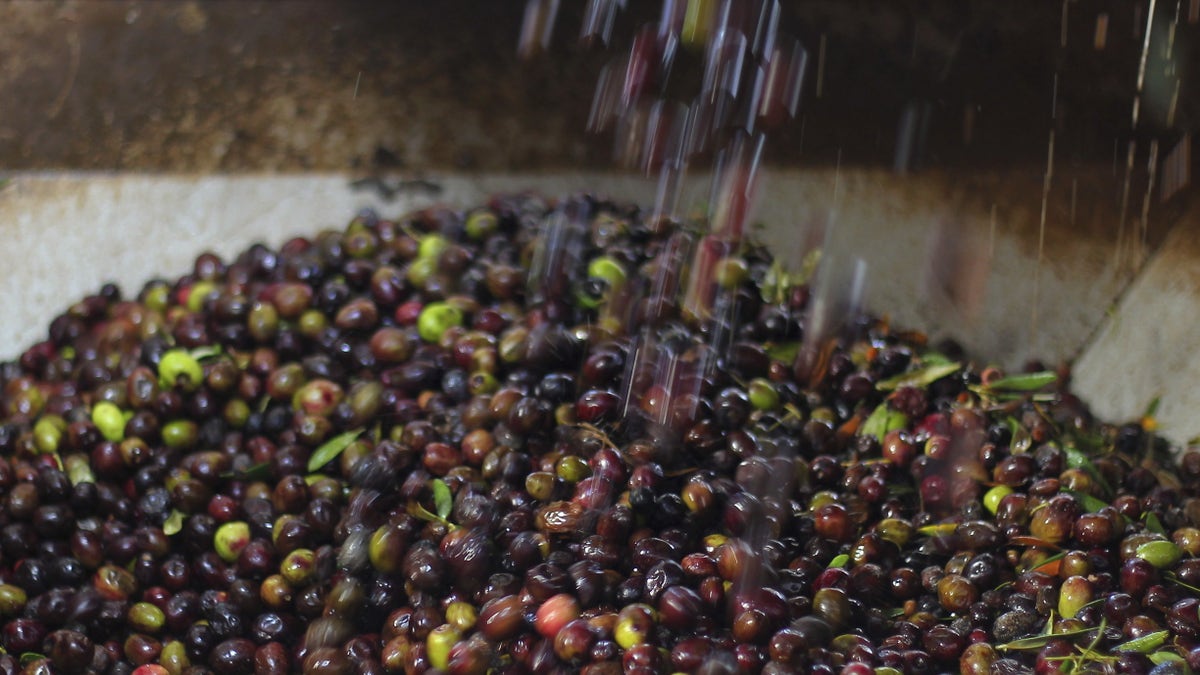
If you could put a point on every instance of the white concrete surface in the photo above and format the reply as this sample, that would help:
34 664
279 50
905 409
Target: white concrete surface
1151 347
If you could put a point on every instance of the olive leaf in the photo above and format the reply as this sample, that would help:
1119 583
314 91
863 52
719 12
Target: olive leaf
1153 524
1092 504
839 561
416 510
1076 459
882 421
260 471
174 523
921 377
1170 576
938 529
1048 560
1006 397
1025 382
1159 658
442 500
331 448
783 351
1153 407
931 358
1144 644
1039 641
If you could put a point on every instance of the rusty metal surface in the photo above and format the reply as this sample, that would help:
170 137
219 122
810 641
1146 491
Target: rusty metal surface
304 85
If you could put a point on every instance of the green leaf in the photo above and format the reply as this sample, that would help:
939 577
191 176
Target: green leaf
1153 524
442 500
1049 559
1159 658
1039 641
839 561
1026 382
784 351
932 358
1153 407
205 352
331 448
1144 644
921 377
174 523
1170 576
418 511
1092 504
260 471
1076 459
883 420
29 657
938 529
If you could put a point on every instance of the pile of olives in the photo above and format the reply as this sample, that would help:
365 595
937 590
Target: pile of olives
546 436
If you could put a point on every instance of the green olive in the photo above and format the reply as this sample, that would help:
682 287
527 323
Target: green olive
420 270
635 624
174 657
436 318
762 393
145 617
12 599
48 432
438 645
263 321
608 269
157 297
993 497
540 485
461 615
298 567
230 538
731 272
109 419
1074 593
572 468
236 413
1161 554
431 247
179 367
79 469
180 434
198 293
481 223
311 323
